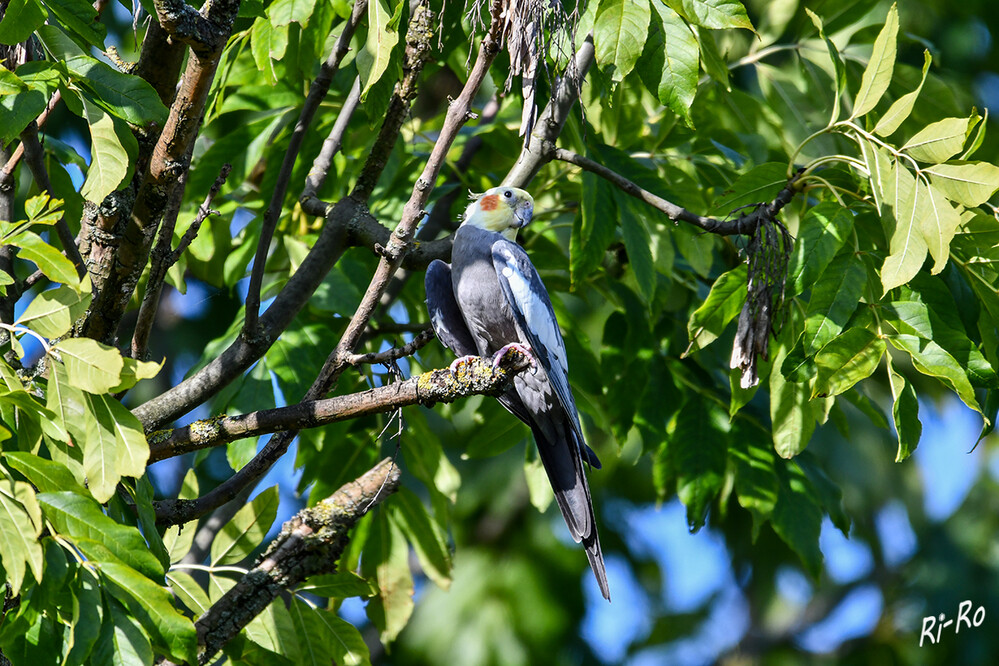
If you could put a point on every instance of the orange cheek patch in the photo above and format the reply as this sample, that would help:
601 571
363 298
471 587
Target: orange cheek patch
489 202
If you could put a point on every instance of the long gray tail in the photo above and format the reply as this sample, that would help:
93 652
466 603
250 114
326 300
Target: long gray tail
563 461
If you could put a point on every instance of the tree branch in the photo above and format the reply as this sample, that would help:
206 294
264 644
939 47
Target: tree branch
395 353
540 148
744 224
251 345
163 258
317 92
310 543
473 378
116 263
417 52
331 146
398 246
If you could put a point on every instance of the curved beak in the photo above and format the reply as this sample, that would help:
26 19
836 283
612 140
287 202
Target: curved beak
523 214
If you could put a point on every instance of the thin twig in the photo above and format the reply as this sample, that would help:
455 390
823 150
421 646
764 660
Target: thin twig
317 92
164 258
744 224
332 145
395 353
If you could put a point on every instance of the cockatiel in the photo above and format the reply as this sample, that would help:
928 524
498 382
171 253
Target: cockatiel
490 298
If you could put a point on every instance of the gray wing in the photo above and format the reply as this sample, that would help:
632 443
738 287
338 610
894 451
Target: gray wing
445 315
532 309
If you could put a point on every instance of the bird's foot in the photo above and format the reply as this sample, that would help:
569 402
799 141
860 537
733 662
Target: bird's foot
523 349
458 362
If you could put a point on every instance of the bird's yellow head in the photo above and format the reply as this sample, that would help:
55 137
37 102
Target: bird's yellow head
501 209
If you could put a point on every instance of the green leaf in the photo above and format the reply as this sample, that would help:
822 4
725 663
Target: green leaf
968 183
121 642
49 260
638 243
723 303
152 606
115 445
792 422
87 614
274 631
698 455
593 229
711 58
53 312
81 520
46 475
10 83
267 44
838 67
976 142
907 249
933 360
21 19
340 585
112 154
90 365
67 403
385 559
671 71
247 529
285 12
19 531
797 518
756 484
79 18
43 209
879 69
822 232
759 185
126 96
847 359
939 141
342 640
879 168
425 534
834 298
938 224
619 34
716 14
373 60
904 412
902 107
189 592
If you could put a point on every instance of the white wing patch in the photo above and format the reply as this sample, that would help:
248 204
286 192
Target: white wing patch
536 311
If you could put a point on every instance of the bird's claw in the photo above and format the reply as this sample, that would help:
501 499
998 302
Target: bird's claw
458 362
523 349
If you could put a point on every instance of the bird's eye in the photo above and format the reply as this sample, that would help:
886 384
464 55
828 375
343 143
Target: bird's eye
508 194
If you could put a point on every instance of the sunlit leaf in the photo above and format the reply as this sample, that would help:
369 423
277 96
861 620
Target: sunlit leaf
847 359
879 69
619 35
939 141
724 301
247 529
968 183
716 14
902 107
